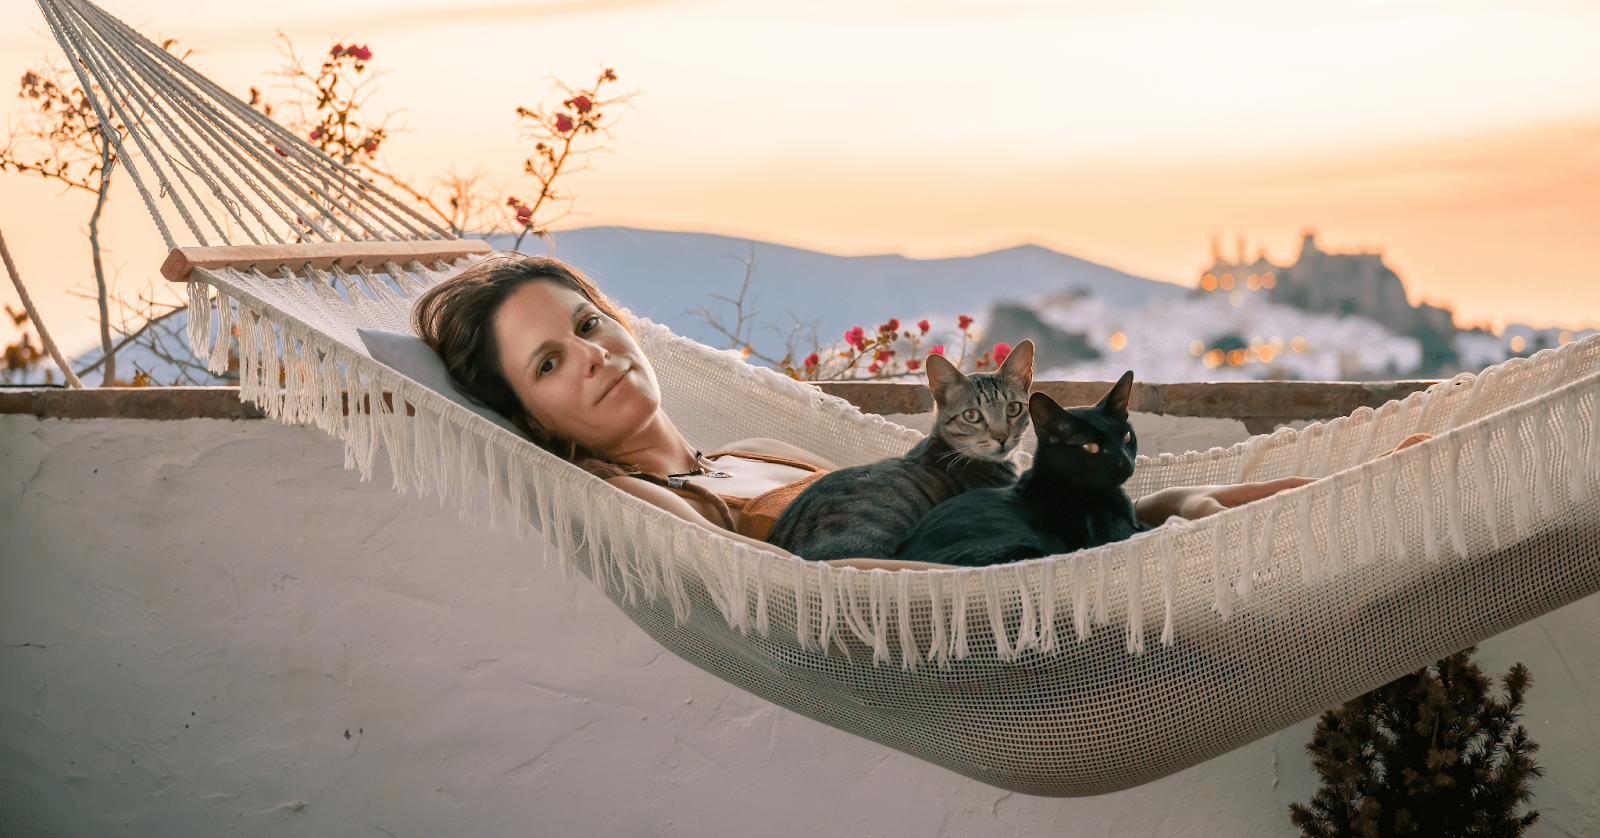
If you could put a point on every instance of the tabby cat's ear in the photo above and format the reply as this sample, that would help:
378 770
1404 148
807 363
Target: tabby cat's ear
943 377
1045 412
1116 402
1018 368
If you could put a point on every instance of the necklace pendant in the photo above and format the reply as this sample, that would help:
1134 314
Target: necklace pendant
718 474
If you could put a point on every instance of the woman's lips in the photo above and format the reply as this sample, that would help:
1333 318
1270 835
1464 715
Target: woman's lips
614 383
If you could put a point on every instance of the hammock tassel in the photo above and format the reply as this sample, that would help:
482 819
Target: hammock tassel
802 604
877 590
199 317
1455 516
1425 489
1080 596
1169 586
1247 555
1047 606
828 599
1133 576
997 620
1102 609
959 615
1221 589
218 362
1485 490
939 652
763 584
1521 514
1028 631
910 655
1391 517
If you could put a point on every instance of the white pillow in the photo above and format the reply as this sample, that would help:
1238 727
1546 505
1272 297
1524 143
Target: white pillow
409 356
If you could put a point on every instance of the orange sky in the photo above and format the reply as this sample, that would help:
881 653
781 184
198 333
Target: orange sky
1462 140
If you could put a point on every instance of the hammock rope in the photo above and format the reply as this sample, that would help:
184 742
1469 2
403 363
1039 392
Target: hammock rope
1069 675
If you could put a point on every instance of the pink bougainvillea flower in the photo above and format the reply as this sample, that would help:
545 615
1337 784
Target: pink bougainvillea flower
280 151
370 145
316 133
582 104
563 123
872 368
1001 350
923 325
963 322
336 51
913 365
609 75
812 360
892 326
359 53
883 355
511 202
856 337
937 350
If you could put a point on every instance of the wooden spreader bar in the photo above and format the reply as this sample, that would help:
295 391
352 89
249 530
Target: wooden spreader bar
320 255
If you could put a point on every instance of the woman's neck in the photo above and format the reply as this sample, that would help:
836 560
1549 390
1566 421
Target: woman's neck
657 448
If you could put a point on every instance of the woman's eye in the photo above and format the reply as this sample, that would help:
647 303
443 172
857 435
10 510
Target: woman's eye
971 414
1091 448
547 365
1014 409
1127 436
590 324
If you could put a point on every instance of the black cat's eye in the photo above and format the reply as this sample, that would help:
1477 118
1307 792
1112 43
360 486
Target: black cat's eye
1014 409
971 414
1127 436
1091 448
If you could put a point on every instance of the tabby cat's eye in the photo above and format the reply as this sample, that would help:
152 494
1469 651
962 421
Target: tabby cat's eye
1127 436
1091 448
1014 409
971 414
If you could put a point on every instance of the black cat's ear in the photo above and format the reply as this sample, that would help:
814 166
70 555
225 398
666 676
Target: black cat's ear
1116 402
1018 366
1045 412
943 377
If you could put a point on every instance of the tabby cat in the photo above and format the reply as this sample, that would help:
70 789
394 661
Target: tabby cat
862 511
1072 498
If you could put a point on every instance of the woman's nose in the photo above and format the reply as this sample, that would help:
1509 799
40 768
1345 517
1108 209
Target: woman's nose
595 356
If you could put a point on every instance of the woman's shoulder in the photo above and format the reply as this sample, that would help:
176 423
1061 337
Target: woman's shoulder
778 448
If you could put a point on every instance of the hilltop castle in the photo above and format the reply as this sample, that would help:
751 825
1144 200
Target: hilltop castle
1339 283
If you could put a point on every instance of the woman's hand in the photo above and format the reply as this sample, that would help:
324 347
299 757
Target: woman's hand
1199 501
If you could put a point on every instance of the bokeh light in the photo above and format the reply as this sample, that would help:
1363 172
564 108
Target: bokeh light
1197 348
1209 282
1117 342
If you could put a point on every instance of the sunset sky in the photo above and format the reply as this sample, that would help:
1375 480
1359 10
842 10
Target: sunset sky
1460 139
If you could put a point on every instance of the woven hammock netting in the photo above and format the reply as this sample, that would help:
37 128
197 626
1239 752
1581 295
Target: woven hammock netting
1070 675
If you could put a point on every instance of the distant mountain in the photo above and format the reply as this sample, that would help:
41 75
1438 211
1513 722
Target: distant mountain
659 275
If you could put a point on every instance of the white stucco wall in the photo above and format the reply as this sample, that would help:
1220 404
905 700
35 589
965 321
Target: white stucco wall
209 627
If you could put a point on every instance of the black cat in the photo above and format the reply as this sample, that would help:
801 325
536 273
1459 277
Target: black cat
1071 499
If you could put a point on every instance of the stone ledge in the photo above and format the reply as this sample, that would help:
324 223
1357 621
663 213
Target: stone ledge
1261 405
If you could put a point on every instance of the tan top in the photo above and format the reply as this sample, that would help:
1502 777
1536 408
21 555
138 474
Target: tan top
757 514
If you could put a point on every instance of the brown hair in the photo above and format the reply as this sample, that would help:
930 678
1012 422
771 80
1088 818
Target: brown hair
456 319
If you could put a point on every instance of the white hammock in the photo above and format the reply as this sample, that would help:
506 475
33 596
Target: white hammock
1070 675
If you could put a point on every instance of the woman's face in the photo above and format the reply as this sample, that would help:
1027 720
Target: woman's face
577 371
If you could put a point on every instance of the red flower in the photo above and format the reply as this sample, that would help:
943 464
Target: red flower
563 123
913 365
1001 350
511 202
280 151
524 216
359 53
336 51
892 326
923 325
317 132
812 360
582 104
963 322
937 350
872 368
371 145
608 75
883 355
856 337
981 362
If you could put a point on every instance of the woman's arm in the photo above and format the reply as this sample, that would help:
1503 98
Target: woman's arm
664 498
1199 501
779 448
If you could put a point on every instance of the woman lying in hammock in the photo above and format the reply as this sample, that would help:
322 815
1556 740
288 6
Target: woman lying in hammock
533 339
